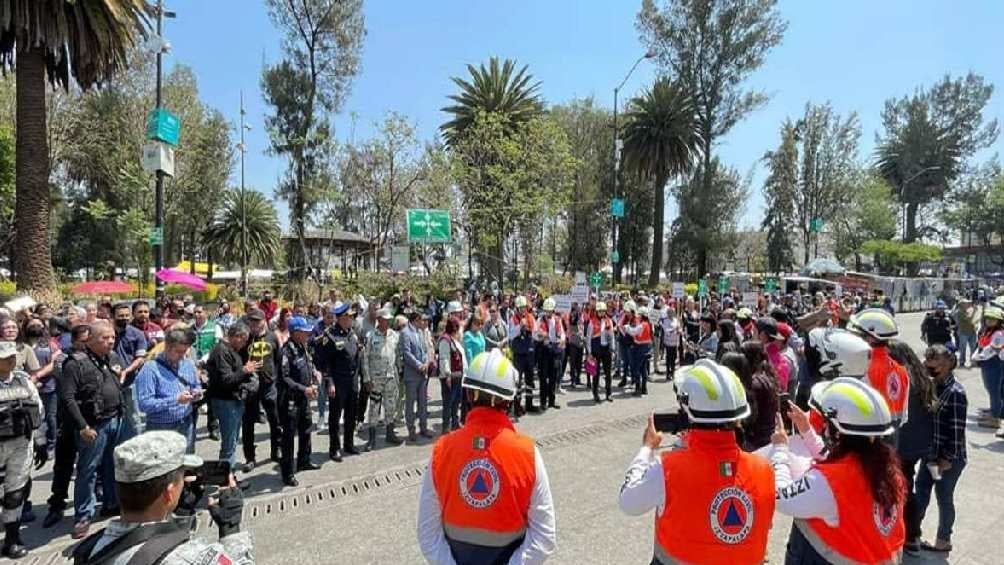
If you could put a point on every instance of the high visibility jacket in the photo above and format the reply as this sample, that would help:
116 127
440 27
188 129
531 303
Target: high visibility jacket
865 533
544 327
719 503
484 475
891 380
646 333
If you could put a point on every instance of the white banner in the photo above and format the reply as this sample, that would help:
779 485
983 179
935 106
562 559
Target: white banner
580 295
679 290
750 299
562 303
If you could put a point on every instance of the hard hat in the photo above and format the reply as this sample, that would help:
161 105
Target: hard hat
492 373
874 322
816 395
521 302
643 311
549 305
993 313
855 408
744 313
630 306
601 306
710 393
841 353
453 307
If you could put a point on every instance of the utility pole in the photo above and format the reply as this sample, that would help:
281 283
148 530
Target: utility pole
158 221
244 219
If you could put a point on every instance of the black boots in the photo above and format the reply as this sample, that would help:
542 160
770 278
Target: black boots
391 438
12 546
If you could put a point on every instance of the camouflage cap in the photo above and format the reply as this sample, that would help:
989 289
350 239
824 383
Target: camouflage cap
152 454
7 349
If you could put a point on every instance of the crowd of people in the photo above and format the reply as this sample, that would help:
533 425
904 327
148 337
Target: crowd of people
105 372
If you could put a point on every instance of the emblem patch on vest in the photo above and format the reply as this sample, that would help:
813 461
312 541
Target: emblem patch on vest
892 386
479 483
731 515
884 519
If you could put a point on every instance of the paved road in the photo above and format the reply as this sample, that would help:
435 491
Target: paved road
363 510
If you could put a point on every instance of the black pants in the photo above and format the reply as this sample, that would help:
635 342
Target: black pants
295 416
670 357
575 360
603 362
362 404
548 364
911 518
264 399
62 466
525 366
346 400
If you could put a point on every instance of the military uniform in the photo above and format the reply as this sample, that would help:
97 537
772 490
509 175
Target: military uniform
20 415
296 374
236 549
338 351
380 365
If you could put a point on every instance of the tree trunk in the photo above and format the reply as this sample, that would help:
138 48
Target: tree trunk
706 181
658 231
911 234
32 250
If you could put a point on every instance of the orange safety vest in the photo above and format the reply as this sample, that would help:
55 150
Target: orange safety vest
484 475
864 533
597 325
719 503
891 380
530 321
646 333
559 327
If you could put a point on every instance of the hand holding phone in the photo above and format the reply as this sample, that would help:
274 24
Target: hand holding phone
669 422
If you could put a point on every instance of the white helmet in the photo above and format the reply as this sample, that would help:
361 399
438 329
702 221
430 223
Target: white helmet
601 306
521 301
874 322
643 311
492 373
630 306
841 352
549 305
453 307
855 408
710 393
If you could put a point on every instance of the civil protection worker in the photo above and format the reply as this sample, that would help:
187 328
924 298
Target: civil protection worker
714 502
486 497
832 353
848 508
887 376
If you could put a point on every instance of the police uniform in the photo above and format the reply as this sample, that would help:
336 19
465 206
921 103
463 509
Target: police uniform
380 363
20 416
339 350
296 374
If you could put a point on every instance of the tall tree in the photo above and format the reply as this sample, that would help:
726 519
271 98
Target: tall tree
927 139
264 236
779 191
57 40
712 47
869 213
322 40
661 140
497 88
708 224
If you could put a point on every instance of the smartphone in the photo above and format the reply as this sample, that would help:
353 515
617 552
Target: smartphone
214 473
197 395
670 422
784 403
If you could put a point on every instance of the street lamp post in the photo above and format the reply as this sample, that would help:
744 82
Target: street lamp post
617 156
158 220
244 235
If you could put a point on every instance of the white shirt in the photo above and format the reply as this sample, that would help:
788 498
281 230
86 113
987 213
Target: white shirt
538 544
807 497
606 333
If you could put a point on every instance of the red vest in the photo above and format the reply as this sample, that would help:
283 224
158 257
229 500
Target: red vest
865 533
646 333
484 474
597 325
891 380
719 503
545 326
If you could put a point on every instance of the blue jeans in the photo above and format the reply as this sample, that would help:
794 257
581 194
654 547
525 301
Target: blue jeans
451 403
92 457
944 493
132 418
640 353
185 427
967 346
231 415
50 404
624 359
991 370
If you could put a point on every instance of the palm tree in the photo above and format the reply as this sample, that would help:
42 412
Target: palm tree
496 89
263 233
58 40
661 139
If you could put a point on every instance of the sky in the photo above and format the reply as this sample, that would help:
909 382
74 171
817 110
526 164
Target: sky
853 53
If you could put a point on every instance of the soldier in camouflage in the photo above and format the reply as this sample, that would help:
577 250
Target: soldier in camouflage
380 364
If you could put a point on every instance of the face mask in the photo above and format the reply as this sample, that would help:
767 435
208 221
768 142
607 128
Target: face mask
932 372
35 332
121 323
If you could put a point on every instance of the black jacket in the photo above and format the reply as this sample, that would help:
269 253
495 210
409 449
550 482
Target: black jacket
90 388
226 372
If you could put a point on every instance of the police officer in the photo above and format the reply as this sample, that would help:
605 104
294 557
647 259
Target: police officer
150 473
734 489
297 385
20 417
486 496
848 508
937 327
380 365
338 349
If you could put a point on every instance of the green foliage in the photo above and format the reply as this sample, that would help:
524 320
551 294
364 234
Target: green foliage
976 207
7 188
661 140
262 234
497 89
779 191
890 254
869 214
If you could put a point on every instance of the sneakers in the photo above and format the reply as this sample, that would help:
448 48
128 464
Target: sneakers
81 528
912 547
988 422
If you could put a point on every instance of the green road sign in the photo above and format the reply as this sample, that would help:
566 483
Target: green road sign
615 257
816 225
702 287
429 226
163 126
156 236
723 285
596 279
770 285
617 207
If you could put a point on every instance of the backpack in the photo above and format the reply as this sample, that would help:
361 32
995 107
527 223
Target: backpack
156 542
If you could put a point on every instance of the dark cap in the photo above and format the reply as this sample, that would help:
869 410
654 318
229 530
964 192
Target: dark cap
255 315
768 326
